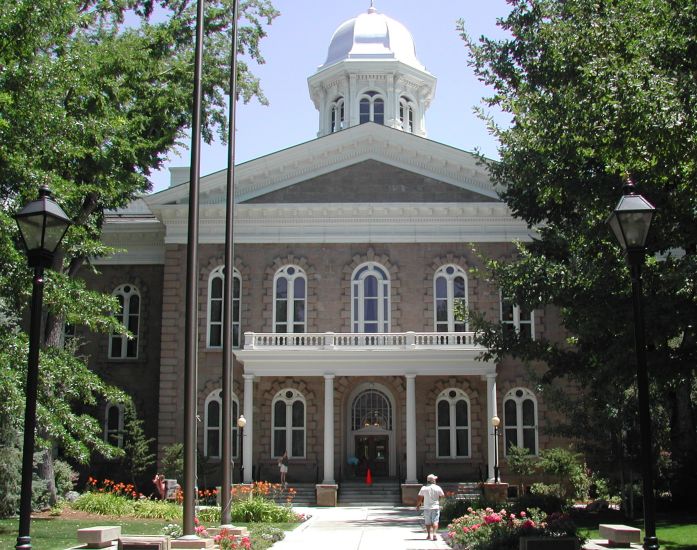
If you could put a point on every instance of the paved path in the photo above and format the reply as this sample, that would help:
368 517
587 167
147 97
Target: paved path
366 528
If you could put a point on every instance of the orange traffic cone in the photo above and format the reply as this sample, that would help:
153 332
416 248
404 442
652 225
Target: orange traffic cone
368 477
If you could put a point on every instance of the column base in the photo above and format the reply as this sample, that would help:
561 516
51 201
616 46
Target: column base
326 494
409 493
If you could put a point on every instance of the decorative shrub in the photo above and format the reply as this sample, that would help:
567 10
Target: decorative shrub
173 461
65 477
486 529
10 478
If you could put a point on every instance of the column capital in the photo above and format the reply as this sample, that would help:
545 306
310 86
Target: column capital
329 376
410 376
490 376
248 376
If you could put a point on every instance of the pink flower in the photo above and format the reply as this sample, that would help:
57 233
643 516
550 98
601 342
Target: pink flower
528 524
523 514
492 518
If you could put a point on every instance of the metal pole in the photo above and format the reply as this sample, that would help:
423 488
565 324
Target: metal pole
228 357
650 539
191 325
496 454
37 298
241 462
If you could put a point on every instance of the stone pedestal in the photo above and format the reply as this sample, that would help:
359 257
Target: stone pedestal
326 494
194 542
99 536
409 493
496 492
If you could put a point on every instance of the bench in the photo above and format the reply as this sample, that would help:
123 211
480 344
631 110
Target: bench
619 536
101 536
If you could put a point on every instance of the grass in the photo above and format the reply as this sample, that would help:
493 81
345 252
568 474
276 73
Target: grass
59 533
673 532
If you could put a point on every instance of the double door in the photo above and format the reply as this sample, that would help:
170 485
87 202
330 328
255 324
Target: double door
372 451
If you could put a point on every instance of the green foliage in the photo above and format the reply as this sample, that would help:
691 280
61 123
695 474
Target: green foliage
118 505
520 461
173 461
572 479
138 457
65 477
256 509
209 515
598 92
10 471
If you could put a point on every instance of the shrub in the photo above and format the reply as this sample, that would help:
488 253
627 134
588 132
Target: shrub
210 514
268 533
65 477
10 479
572 480
257 509
173 461
106 504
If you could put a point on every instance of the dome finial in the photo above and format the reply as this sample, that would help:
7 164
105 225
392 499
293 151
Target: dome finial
372 9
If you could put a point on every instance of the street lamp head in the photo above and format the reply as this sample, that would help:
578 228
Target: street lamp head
495 421
241 421
42 224
631 219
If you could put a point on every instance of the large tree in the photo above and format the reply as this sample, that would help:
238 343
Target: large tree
599 91
93 96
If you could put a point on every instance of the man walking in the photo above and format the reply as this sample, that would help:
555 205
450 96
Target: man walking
429 496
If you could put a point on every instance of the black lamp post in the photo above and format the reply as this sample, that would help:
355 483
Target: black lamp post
496 422
630 222
241 423
42 225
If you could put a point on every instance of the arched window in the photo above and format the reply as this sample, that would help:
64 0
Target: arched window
288 411
337 114
370 298
371 409
113 424
213 422
290 290
371 108
450 297
520 420
216 307
128 314
406 114
515 318
453 424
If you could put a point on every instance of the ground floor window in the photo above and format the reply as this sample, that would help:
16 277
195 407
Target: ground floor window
520 419
288 411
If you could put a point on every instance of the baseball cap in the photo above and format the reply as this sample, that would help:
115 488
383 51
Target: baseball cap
431 477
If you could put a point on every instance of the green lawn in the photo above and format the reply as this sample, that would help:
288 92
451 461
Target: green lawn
673 533
58 533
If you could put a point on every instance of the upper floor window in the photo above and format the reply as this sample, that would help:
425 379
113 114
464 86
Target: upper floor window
290 289
288 411
371 108
450 297
515 318
213 422
216 307
370 298
337 115
406 114
453 424
113 424
520 420
128 314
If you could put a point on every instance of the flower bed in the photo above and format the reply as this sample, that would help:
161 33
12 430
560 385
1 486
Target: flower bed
486 529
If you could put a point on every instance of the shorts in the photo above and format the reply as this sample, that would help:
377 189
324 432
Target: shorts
283 468
432 516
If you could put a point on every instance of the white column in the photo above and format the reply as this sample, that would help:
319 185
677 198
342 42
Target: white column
411 428
490 413
248 435
328 429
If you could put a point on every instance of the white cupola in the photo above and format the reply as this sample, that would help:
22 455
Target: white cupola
372 74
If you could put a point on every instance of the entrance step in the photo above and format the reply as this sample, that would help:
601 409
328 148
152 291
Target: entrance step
357 493
303 494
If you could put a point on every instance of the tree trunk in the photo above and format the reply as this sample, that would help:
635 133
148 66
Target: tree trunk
46 473
683 443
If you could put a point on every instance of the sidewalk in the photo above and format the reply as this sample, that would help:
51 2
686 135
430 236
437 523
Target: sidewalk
364 528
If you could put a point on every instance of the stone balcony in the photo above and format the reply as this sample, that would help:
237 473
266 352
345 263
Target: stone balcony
353 354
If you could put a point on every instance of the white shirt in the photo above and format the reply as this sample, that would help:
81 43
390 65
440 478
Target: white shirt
431 494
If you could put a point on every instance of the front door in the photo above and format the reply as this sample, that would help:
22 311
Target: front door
372 451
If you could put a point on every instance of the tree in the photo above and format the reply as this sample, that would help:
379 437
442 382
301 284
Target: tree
90 105
138 455
600 91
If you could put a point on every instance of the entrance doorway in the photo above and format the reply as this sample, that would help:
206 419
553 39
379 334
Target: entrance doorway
372 452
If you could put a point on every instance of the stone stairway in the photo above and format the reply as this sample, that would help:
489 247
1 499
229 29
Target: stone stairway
357 493
467 490
304 494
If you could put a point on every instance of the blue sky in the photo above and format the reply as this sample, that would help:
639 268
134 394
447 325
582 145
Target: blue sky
297 44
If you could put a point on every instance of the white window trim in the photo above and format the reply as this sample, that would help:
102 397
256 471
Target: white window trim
516 322
216 395
297 396
107 432
407 107
337 115
218 272
441 272
290 307
371 104
357 292
125 316
452 427
511 395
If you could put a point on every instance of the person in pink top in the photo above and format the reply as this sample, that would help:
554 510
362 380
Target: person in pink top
429 497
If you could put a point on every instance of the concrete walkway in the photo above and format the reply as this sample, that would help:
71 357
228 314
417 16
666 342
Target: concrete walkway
364 528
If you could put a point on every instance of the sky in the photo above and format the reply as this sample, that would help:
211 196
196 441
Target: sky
296 46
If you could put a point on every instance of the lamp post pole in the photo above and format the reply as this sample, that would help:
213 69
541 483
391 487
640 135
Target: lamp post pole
630 222
495 421
42 226
241 423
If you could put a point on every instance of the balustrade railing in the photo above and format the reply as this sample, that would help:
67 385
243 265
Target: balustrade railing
348 341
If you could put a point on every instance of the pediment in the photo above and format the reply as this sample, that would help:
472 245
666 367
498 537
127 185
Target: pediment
370 181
